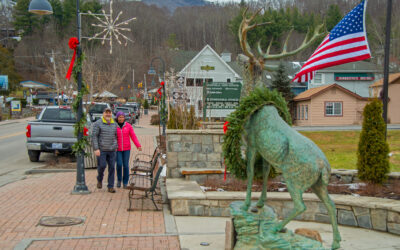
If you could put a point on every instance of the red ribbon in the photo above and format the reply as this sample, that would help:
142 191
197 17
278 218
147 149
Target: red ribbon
159 91
225 126
73 44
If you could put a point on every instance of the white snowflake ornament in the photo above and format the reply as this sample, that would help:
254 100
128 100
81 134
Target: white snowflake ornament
111 28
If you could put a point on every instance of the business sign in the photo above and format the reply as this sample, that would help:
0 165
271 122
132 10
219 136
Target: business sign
354 77
16 106
207 68
3 82
180 97
221 98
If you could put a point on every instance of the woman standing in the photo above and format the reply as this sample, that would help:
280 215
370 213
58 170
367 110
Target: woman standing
124 134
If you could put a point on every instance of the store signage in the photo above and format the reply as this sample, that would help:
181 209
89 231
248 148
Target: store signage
207 68
354 77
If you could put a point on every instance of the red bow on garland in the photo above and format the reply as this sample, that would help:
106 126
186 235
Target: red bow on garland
225 127
73 44
159 89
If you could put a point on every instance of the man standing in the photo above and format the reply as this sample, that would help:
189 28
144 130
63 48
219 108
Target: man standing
105 147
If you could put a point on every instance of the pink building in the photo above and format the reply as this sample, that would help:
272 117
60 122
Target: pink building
394 96
328 105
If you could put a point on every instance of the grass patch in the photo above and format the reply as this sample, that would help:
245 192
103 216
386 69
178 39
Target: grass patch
340 147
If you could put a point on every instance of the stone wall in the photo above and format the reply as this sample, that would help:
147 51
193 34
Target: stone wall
365 212
200 149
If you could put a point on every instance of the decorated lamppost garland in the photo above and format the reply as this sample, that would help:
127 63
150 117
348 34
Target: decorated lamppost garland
80 126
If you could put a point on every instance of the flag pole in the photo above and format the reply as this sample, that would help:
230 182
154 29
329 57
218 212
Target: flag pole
386 63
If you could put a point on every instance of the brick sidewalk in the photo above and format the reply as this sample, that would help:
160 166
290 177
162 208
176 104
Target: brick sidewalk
108 224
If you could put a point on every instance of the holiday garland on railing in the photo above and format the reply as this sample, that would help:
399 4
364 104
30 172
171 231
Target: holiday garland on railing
233 143
79 126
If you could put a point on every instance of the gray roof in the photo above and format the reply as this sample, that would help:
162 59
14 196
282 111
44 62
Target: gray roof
237 68
180 58
360 66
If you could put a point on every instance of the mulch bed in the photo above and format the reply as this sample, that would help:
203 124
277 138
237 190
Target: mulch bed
60 162
389 191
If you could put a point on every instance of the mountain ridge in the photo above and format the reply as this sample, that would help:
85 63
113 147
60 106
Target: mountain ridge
171 5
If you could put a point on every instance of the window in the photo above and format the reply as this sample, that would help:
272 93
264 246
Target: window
208 80
200 105
298 112
333 108
306 112
199 82
228 80
189 82
318 78
302 112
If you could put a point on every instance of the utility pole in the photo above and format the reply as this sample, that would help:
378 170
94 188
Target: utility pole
145 87
133 83
53 58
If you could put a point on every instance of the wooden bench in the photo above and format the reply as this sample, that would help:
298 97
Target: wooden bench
146 183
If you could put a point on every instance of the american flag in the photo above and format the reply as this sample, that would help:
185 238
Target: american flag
347 42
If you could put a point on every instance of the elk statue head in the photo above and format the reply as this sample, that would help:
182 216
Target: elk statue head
256 63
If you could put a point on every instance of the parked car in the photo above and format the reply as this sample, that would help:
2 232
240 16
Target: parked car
52 131
129 114
135 106
96 110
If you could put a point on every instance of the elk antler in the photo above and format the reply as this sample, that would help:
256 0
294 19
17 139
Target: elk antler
245 27
306 43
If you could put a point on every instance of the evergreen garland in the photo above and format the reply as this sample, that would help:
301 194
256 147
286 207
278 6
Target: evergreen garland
232 145
81 144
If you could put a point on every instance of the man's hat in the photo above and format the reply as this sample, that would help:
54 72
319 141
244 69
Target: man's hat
107 109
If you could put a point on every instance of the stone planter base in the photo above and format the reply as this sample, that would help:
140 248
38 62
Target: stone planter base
379 214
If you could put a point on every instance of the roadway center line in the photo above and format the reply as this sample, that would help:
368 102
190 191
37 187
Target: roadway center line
12 135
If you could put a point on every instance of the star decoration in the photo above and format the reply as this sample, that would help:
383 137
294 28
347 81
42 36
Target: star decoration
111 29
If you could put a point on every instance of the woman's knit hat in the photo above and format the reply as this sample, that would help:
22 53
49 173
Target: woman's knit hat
120 113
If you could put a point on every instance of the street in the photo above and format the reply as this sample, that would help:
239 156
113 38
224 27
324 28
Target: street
14 157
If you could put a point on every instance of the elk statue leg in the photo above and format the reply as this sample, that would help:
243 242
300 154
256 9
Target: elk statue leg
320 189
263 197
251 157
299 207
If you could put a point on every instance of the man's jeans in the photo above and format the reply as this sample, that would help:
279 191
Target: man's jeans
123 166
106 157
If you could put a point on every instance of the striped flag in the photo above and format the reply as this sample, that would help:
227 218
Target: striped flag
347 42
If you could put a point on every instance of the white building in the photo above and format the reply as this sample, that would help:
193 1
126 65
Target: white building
207 66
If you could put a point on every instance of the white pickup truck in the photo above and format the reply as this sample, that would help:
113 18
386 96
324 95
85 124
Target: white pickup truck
53 131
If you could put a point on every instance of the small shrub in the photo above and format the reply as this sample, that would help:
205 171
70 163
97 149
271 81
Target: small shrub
155 120
146 104
35 101
181 118
373 150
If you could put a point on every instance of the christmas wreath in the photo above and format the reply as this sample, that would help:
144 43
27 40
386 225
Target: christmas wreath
233 143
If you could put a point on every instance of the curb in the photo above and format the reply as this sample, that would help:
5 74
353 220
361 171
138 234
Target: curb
46 171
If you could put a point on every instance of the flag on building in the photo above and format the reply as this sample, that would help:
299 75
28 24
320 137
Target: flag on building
347 42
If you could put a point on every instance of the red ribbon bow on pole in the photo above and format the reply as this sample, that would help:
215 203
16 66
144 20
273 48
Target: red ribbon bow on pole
73 44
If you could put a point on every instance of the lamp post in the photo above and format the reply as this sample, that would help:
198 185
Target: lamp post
386 62
43 7
152 71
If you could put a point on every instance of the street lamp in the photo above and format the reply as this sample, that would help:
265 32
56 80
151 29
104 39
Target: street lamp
40 7
43 7
153 72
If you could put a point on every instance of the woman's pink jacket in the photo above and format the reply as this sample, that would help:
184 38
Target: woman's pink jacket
124 135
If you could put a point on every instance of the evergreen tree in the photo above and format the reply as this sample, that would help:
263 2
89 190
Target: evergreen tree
373 150
333 16
24 20
281 83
